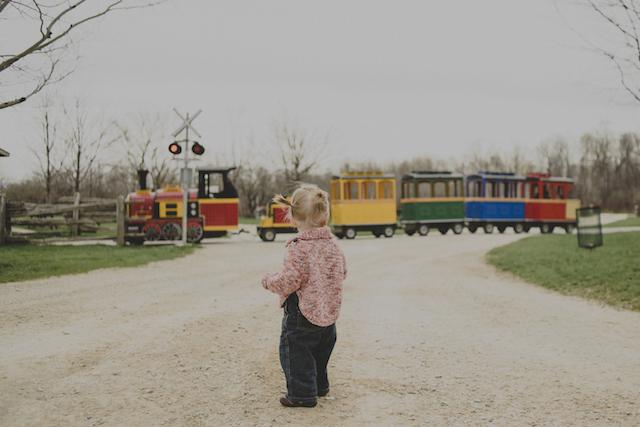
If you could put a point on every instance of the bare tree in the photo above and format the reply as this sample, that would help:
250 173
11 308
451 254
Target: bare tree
36 58
84 143
621 45
45 151
554 156
140 141
299 150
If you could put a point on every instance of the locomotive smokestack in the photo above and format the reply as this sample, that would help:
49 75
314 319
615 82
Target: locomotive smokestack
142 178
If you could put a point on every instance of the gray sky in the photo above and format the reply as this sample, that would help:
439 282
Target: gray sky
385 79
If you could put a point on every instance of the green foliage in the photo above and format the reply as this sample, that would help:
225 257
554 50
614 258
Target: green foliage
25 262
610 274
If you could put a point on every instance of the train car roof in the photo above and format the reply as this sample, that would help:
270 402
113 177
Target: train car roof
433 175
497 176
217 170
552 179
365 176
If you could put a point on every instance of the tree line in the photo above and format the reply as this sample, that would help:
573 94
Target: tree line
79 153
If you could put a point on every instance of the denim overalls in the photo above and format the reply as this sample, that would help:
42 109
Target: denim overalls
305 349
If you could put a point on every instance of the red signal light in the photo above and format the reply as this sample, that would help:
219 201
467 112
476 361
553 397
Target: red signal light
175 148
197 149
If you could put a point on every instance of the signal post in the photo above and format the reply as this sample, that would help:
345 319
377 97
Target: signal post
185 172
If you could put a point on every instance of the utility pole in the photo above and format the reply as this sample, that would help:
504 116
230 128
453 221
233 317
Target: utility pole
185 171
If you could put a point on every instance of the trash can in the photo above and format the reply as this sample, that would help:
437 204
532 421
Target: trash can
589 227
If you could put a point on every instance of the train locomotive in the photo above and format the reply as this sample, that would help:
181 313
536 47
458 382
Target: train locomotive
212 209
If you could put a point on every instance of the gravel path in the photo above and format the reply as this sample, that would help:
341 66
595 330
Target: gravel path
429 334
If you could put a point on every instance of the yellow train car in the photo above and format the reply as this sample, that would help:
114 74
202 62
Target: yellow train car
274 222
363 201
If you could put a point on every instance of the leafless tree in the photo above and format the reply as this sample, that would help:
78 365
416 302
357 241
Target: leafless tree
299 150
34 57
554 156
141 141
621 45
44 150
84 143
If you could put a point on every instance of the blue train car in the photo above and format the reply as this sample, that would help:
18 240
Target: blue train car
494 199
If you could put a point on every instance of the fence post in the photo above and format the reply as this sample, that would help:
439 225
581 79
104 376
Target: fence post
120 221
75 227
3 219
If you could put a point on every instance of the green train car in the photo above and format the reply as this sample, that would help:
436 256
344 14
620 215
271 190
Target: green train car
432 200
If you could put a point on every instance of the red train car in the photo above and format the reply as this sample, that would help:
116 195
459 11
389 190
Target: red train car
212 209
549 202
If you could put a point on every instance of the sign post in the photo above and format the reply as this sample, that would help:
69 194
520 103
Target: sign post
185 172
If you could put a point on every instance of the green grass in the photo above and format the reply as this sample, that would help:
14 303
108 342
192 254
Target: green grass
629 222
248 220
610 274
25 262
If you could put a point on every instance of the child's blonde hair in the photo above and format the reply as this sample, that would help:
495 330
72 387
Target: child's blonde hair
308 204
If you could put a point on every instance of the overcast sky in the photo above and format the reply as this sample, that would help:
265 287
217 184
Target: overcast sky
384 79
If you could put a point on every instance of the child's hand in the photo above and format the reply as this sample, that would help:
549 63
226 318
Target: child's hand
265 279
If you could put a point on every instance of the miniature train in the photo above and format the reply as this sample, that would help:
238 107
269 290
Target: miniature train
441 201
157 215
366 202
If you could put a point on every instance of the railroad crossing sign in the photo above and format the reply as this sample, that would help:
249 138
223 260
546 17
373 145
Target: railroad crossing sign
185 172
187 124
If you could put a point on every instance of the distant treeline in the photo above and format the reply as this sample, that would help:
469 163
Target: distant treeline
606 169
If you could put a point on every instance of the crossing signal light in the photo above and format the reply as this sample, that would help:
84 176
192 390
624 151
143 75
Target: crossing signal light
197 149
175 148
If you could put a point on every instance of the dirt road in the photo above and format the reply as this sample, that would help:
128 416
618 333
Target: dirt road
429 334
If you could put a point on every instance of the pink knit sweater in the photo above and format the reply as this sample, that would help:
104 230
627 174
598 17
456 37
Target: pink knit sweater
314 268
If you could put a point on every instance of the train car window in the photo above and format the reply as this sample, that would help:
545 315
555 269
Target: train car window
451 188
407 189
385 190
424 189
459 189
535 191
440 189
488 189
350 190
511 190
369 190
335 190
546 192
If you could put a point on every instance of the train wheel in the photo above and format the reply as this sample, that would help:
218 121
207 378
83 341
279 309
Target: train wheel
569 228
457 228
423 229
518 228
389 231
488 228
350 233
151 232
409 230
443 230
502 229
545 228
472 229
171 231
268 235
195 233
526 228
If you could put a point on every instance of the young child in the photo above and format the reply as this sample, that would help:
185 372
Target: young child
310 290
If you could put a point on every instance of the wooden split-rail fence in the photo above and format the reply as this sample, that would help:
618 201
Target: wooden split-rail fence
76 215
